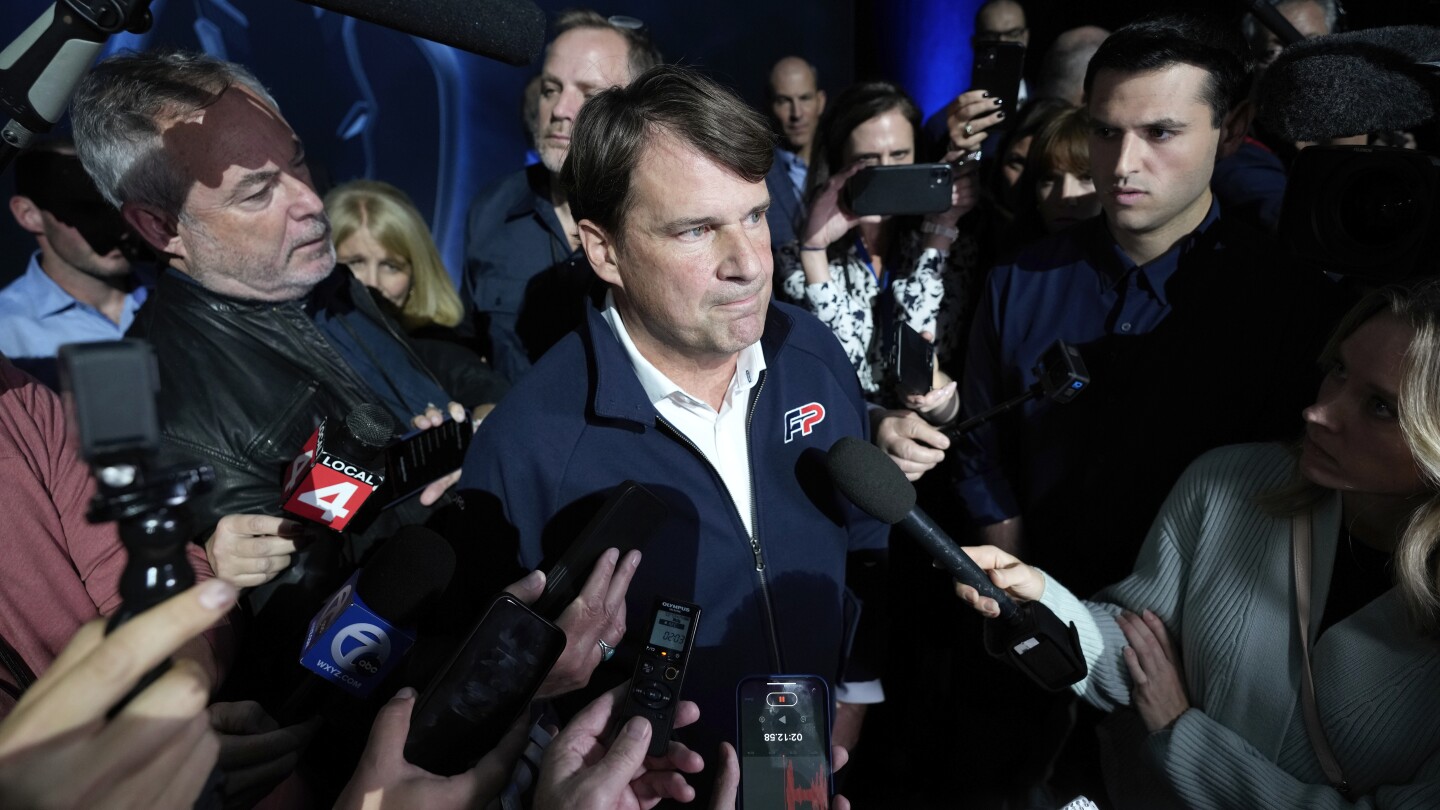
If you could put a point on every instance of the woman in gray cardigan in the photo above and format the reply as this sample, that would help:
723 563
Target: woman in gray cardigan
1198 652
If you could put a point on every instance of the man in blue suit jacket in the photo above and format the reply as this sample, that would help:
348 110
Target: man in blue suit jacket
797 102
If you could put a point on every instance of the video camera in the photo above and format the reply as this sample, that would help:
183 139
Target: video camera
1366 211
112 389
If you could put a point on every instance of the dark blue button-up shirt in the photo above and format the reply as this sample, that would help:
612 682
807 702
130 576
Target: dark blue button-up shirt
522 280
1212 343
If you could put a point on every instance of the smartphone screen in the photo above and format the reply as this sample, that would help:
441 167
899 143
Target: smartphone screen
470 705
784 742
422 456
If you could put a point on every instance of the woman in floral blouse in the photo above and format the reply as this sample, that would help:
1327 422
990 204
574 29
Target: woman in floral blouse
862 275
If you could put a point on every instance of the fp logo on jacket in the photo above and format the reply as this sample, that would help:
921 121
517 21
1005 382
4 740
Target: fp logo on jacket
803 419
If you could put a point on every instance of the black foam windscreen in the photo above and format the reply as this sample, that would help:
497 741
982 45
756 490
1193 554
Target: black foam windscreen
512 31
1352 83
371 425
864 474
405 574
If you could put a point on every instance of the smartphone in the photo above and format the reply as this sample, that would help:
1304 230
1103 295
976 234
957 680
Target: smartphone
917 188
626 520
422 456
467 708
784 742
913 361
998 69
660 670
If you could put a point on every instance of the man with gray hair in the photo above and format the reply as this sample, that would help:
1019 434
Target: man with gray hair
258 332
525 277
691 381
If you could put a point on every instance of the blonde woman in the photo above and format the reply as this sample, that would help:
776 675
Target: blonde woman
382 238
1199 651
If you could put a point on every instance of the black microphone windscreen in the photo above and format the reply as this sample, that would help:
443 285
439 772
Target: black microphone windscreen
512 31
371 425
864 474
405 573
1351 84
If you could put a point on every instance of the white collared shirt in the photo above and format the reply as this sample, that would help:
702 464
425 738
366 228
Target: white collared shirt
721 436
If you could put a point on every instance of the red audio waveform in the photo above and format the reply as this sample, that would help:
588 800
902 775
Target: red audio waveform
815 797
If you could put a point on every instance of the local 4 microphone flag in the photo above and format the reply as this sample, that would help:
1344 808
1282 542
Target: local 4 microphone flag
352 647
325 488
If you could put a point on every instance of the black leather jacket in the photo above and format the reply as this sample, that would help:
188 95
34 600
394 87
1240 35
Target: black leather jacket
243 384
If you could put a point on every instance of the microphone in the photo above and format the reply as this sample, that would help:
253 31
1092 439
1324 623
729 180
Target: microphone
865 475
339 468
1029 635
1352 83
511 31
361 633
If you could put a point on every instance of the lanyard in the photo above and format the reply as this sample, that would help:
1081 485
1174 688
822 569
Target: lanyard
882 280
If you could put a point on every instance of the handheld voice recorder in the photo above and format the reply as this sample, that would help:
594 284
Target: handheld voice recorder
660 670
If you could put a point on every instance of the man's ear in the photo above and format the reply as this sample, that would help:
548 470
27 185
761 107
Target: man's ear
599 248
156 227
820 102
27 214
1235 128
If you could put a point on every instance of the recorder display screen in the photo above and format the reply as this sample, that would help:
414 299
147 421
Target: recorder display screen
669 630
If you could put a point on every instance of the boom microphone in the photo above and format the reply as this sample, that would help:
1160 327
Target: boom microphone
1352 83
361 634
40 68
1030 636
511 31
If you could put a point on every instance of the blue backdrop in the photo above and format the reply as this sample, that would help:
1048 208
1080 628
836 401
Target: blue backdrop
440 123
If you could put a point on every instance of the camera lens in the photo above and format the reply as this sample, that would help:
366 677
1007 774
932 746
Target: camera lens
1379 208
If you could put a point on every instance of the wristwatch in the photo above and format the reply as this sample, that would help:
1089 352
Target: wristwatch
940 230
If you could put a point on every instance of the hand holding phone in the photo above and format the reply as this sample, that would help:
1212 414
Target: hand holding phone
913 360
582 766
469 706
917 188
784 742
969 120
998 70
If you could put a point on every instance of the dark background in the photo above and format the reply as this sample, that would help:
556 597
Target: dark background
441 123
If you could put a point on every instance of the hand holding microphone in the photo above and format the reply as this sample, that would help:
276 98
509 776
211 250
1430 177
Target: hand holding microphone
1018 580
1028 635
250 550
